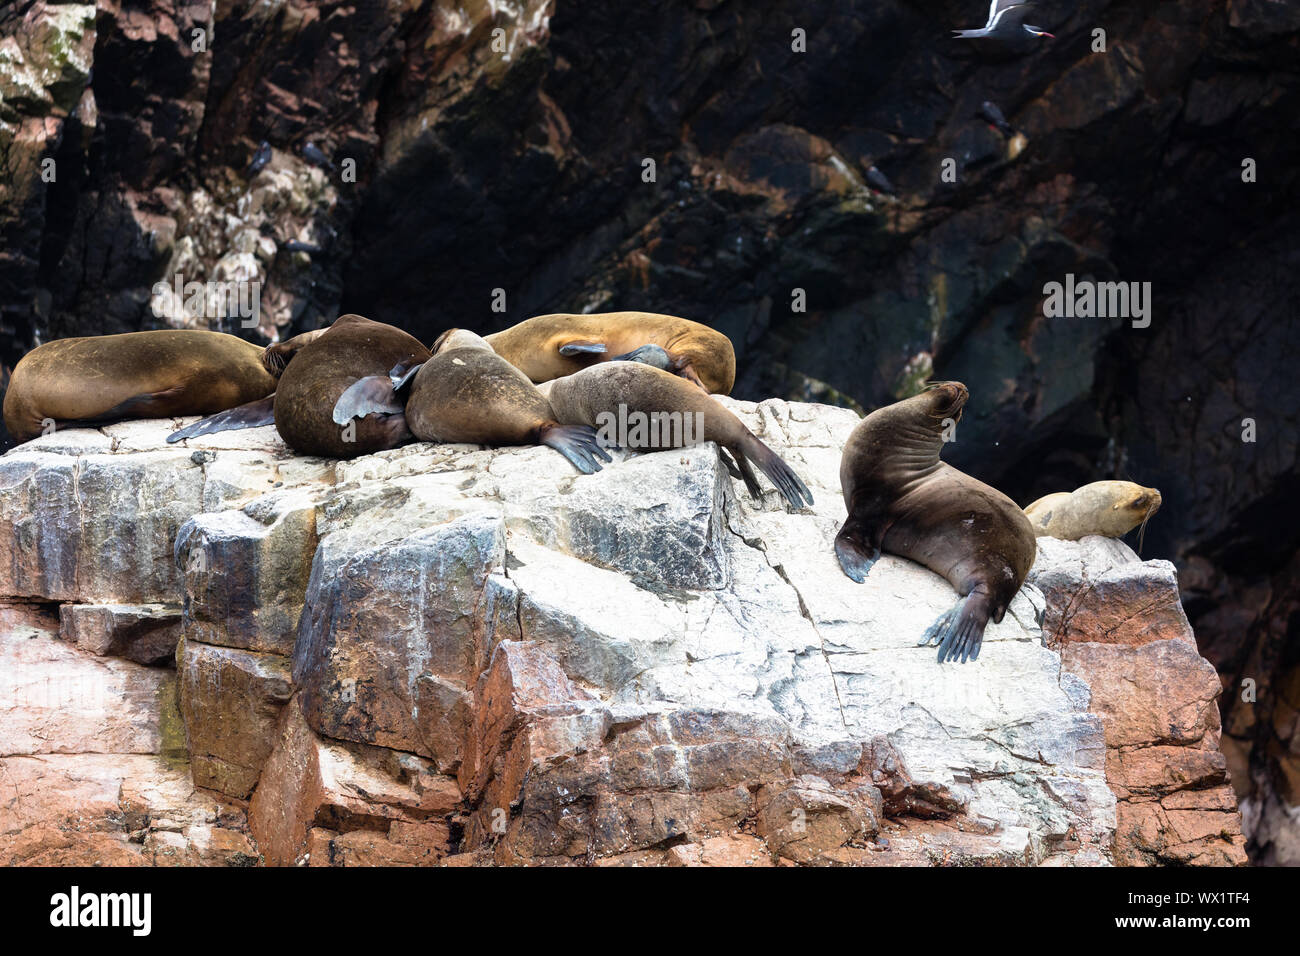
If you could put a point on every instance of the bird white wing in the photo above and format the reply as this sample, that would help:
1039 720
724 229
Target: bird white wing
999 7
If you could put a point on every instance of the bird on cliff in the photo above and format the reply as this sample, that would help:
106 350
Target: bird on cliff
989 111
260 159
1006 30
313 154
879 181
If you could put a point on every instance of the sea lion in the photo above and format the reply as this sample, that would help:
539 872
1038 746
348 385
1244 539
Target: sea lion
466 392
330 362
163 373
596 396
1110 508
902 499
550 346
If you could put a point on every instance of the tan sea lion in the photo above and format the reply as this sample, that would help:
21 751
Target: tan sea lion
1110 508
466 392
274 359
550 346
157 374
902 499
597 396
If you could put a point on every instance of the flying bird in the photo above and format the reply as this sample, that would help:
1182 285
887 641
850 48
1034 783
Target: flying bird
1006 24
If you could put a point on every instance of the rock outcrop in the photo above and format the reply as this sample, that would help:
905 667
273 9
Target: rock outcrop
445 654
491 157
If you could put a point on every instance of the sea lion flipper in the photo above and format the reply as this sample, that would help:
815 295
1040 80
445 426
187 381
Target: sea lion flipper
578 348
402 373
959 631
729 463
654 355
371 395
856 560
577 443
248 415
778 472
137 406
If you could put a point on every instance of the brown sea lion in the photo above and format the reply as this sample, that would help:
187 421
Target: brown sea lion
902 499
331 361
550 346
105 378
666 407
467 393
1110 508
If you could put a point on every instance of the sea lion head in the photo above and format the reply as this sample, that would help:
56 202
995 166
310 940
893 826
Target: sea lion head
943 400
459 339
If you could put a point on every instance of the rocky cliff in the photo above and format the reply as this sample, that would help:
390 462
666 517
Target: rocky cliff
445 654
501 149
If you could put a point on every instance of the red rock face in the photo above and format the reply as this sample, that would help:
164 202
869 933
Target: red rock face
1122 630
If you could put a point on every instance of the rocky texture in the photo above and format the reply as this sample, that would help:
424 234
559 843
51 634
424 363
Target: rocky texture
93 760
485 159
1118 625
497 660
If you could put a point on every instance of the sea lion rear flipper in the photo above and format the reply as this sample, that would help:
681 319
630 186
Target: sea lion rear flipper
249 415
277 356
575 442
372 395
778 472
579 348
959 632
729 463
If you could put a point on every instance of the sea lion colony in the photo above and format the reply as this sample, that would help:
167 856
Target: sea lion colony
360 386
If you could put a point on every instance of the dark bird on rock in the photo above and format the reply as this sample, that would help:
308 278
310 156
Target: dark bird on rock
1006 31
294 245
879 182
312 153
989 111
260 159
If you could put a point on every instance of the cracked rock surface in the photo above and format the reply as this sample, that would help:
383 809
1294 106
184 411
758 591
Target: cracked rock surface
444 653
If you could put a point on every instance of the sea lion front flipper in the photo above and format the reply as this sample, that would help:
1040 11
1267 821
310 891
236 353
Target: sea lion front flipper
249 415
959 631
653 355
577 443
856 547
372 395
579 348
855 560
402 373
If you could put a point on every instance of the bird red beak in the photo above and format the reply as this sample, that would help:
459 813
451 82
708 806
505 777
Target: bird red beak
1052 35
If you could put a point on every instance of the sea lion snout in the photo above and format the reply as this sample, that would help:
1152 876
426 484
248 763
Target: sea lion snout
947 399
1149 500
